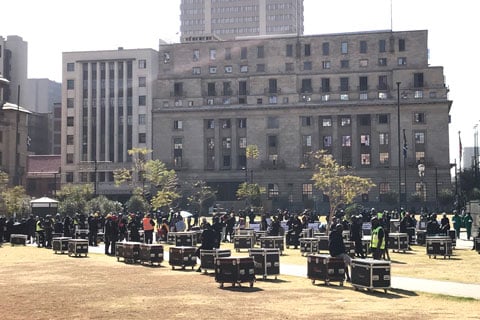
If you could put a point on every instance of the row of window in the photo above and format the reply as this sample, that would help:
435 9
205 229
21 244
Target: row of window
142 64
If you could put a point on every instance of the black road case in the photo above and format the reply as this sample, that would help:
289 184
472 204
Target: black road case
476 243
131 251
325 268
439 246
371 274
421 236
267 261
151 253
207 257
272 242
185 239
322 243
309 245
243 241
398 242
182 257
60 244
20 239
235 270
77 247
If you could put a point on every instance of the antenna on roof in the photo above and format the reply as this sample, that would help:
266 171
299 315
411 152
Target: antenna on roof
391 15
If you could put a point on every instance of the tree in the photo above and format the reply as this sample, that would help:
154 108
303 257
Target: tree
201 196
335 182
251 192
446 197
73 198
135 174
103 205
137 202
16 201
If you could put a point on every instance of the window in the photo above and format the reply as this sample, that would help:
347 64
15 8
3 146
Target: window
70 84
344 84
272 123
344 64
178 89
244 68
213 54
142 138
70 66
365 159
384 157
384 187
344 47
242 143
212 69
289 66
306 86
418 80
363 83
142 64
177 124
306 121
69 176
346 141
402 61
243 53
419 156
242 123
210 102
227 143
363 46
418 94
345 121
70 103
142 119
260 67
196 55
307 191
211 89
228 69
307 65
272 190
326 64
70 122
225 123
419 117
69 139
196 70
210 124
259 101
226 161
383 118
325 48
69 157
228 54
365 140
325 85
307 50
177 152
419 137
272 99
289 50
382 83
363 63
227 88
272 86
364 120
401 44
242 88
142 82
142 100
327 141
383 138
326 122
382 62
260 52
272 141
382 46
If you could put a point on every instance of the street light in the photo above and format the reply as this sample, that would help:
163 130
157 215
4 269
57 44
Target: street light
399 150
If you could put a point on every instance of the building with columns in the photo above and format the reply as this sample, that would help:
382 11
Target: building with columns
343 93
106 111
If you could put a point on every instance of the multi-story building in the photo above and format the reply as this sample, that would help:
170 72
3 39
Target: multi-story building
360 96
106 111
227 19
13 66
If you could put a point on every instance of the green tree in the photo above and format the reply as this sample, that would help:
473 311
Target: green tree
103 205
16 201
73 198
200 195
251 192
335 182
137 202
136 174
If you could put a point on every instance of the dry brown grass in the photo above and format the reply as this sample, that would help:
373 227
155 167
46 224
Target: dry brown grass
38 284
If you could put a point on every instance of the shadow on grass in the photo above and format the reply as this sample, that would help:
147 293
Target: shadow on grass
389 294
240 288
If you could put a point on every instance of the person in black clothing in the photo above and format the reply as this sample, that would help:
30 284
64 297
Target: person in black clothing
209 241
133 227
67 226
30 224
295 229
92 229
217 228
274 228
111 234
336 247
229 224
432 226
3 225
444 224
356 236
58 226
48 227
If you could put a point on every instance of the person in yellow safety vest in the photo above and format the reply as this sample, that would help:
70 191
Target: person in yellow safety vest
40 233
378 236
148 226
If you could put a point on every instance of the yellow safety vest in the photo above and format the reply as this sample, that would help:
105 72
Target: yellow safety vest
374 243
39 226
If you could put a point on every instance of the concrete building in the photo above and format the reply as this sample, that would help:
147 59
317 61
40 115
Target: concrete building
106 111
226 19
295 94
14 66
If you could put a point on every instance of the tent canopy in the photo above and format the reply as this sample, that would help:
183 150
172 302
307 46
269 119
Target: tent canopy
44 202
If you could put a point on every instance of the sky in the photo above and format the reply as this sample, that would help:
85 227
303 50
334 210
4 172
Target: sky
54 26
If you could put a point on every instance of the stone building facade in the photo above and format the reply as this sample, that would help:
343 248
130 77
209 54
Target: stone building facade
295 94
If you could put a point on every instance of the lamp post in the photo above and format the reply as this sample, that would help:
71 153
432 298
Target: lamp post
399 150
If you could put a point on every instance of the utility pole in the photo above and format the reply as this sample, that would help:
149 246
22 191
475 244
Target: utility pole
399 150
16 181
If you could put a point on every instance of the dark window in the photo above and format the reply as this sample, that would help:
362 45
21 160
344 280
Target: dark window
344 64
178 89
419 117
418 80
70 139
382 46
325 48
260 52
243 53
307 50
363 83
306 86
260 67
142 138
272 123
363 46
325 85
344 84
142 100
272 141
383 118
70 103
211 89
70 122
242 88
70 84
242 123
70 66
364 120
272 85
401 44
227 88
226 161
69 176
306 121
228 54
289 50
382 83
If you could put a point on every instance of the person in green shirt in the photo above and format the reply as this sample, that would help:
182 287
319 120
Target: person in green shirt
457 223
467 222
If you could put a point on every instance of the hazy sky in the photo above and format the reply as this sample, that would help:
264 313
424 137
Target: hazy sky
54 26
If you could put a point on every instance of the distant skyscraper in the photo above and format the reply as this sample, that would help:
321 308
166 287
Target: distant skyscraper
227 19
13 66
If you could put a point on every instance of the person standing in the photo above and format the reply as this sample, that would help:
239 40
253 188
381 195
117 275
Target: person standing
457 223
111 234
40 231
30 224
444 224
378 239
209 241
467 222
148 226
356 236
133 228
336 247
48 226
92 229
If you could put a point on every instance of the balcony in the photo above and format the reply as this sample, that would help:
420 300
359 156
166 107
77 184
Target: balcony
272 91
272 164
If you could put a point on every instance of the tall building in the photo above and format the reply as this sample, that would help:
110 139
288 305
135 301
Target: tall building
106 111
13 66
360 96
227 19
